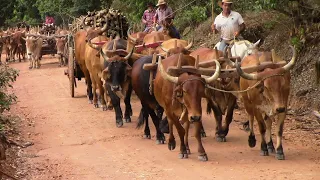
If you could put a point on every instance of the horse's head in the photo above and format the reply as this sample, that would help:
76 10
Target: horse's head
244 48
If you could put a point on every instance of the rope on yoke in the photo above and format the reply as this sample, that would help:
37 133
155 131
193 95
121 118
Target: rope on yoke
242 91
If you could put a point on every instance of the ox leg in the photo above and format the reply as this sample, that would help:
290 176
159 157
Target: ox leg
160 136
89 86
116 104
31 64
128 111
94 91
231 106
268 121
183 150
262 129
60 61
172 141
186 137
145 116
108 100
101 91
202 153
218 116
279 132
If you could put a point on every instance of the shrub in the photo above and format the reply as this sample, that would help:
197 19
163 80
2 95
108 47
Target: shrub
7 77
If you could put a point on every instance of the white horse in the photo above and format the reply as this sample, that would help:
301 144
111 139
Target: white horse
242 48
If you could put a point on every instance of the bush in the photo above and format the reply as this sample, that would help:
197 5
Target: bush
7 77
191 17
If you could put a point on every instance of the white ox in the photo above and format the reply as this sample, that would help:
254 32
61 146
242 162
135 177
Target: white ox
34 46
242 48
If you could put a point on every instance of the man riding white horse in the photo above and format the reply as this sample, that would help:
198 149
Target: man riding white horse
229 23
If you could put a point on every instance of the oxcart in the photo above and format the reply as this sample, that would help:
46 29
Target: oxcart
73 72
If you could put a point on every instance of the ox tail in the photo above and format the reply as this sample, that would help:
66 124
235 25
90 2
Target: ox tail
141 119
317 68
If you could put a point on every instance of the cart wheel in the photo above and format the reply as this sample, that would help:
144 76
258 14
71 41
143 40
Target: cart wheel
71 71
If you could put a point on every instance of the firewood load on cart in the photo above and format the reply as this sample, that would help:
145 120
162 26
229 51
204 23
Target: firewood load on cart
117 22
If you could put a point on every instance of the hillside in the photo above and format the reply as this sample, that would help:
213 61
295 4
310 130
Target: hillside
276 31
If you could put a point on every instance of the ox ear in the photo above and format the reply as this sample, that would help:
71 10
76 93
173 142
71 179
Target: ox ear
129 70
105 74
256 44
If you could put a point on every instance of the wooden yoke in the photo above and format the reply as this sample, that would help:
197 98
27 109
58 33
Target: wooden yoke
154 59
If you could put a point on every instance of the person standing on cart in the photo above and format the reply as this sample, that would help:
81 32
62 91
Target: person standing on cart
164 16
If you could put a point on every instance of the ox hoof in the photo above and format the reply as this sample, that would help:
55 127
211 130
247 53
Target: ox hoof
221 138
183 155
280 156
110 107
30 67
252 141
246 126
96 105
271 148
119 123
147 136
159 141
90 102
203 157
203 133
264 153
172 145
128 120
104 108
59 65
188 151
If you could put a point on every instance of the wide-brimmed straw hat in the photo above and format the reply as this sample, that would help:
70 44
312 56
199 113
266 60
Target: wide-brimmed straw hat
224 1
160 2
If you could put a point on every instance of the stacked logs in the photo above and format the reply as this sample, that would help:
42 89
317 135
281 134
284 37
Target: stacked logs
116 22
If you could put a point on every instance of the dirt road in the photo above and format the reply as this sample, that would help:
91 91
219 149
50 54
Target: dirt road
73 140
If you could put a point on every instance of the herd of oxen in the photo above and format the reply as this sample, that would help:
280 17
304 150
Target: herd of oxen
170 78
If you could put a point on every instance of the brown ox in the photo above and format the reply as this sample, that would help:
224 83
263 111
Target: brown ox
18 45
270 98
183 92
92 61
150 38
61 40
221 103
34 45
80 39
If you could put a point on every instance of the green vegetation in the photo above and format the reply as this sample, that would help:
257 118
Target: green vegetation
7 77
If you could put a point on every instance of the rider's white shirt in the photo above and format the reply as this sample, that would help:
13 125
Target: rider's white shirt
228 25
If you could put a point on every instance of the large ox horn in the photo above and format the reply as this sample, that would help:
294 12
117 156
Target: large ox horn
129 55
164 74
216 74
290 65
94 46
285 68
130 37
190 44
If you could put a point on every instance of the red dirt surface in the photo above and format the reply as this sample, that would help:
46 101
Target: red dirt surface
73 140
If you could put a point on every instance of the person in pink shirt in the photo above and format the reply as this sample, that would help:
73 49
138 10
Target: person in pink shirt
147 18
49 20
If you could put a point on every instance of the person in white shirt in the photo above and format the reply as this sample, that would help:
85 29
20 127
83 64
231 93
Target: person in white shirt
229 23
